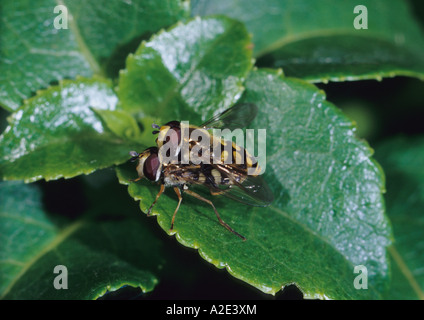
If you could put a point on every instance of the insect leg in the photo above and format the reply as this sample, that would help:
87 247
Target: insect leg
162 188
197 196
217 193
180 198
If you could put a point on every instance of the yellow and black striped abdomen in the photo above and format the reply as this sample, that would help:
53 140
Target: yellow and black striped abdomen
221 151
237 158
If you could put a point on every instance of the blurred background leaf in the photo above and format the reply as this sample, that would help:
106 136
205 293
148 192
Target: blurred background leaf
192 69
33 242
317 41
403 161
34 54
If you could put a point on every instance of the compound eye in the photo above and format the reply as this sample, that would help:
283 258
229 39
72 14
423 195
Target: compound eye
151 166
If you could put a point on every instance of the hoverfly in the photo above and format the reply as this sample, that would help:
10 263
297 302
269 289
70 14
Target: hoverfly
227 177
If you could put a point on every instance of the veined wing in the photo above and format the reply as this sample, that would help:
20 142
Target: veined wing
235 184
252 190
238 116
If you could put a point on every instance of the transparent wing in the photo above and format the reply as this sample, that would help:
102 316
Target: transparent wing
238 116
253 190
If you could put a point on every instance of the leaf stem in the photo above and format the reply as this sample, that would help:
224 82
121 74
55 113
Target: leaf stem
61 236
406 272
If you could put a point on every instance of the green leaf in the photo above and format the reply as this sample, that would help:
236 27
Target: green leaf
121 123
34 52
328 212
403 161
199 65
317 40
57 134
32 245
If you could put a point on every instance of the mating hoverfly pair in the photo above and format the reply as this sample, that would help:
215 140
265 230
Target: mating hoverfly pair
229 178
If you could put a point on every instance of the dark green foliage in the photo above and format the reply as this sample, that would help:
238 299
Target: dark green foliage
82 98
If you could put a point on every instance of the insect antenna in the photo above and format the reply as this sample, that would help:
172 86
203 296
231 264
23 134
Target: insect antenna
155 126
134 155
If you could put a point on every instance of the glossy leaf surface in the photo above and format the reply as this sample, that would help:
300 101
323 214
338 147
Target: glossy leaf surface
51 40
196 67
58 134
